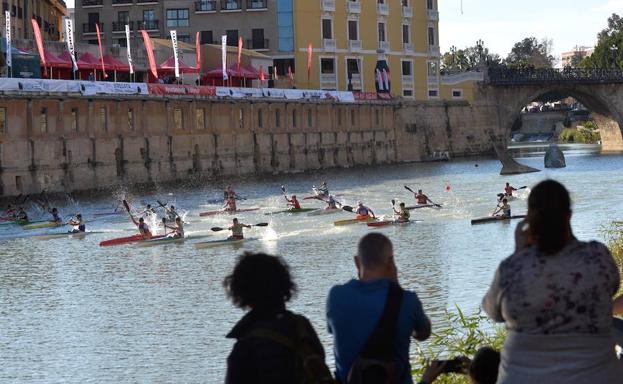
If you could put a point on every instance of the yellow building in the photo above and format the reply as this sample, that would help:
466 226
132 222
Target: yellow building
350 38
48 13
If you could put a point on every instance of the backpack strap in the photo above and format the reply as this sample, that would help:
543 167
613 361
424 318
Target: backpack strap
382 343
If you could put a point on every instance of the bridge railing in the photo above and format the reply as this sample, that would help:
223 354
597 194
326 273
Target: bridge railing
528 76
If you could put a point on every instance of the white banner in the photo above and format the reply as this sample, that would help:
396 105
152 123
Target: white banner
175 53
69 36
224 56
9 54
127 39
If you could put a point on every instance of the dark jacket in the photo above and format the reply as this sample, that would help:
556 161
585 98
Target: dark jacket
260 360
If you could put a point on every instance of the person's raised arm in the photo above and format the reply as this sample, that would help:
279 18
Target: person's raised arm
491 303
372 212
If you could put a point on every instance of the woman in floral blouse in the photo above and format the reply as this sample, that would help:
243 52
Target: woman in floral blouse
554 295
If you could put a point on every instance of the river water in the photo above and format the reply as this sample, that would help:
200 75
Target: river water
71 311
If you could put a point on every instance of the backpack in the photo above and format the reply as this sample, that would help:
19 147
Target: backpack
378 363
310 366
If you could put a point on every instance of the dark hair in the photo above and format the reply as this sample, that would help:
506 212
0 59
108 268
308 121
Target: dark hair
259 281
548 207
484 366
372 249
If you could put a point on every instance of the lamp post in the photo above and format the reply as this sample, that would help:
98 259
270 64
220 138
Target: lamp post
614 50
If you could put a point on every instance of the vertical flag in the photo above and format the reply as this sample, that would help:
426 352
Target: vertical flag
9 57
262 77
150 54
386 79
69 36
379 80
175 53
310 52
99 42
224 56
127 39
239 52
291 76
35 28
198 49
275 73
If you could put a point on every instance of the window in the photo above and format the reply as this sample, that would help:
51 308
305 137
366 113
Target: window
207 37
94 18
431 36
407 93
432 69
381 28
457 93
294 118
122 42
405 3
149 15
241 118
130 119
433 93
74 119
178 119
123 17
43 120
103 119
260 120
406 34
177 17
353 30
277 118
257 38
430 4
327 29
232 37
200 118
327 66
407 68
2 120
352 67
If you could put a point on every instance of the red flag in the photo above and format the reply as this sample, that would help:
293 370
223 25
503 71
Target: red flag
239 52
262 77
198 48
99 42
35 27
150 53
310 51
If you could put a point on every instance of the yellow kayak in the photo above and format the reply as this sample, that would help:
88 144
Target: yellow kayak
47 224
354 221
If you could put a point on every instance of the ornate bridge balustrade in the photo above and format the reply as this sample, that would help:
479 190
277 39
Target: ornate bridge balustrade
531 76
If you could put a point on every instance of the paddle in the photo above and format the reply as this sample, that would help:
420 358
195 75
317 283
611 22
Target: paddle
433 203
167 210
217 229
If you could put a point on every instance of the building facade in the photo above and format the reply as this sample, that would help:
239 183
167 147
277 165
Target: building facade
568 59
48 13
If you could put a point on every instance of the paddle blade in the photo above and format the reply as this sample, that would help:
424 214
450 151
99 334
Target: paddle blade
283 189
347 208
409 189
216 229
524 187
161 204
126 205
261 225
393 202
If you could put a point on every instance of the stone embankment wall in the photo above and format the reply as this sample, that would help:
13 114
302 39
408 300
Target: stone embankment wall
70 143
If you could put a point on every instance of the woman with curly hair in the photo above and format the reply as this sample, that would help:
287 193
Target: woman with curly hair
273 344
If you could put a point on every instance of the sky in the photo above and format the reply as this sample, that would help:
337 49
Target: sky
501 23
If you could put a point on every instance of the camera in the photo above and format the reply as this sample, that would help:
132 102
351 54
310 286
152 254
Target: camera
456 365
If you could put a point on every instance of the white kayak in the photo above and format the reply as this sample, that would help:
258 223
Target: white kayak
319 212
71 235
218 243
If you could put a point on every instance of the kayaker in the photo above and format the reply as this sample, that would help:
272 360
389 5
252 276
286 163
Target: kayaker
56 218
331 203
21 215
505 208
237 230
509 189
363 212
78 224
230 204
402 214
10 212
148 212
323 190
229 193
172 214
421 198
143 228
293 202
178 229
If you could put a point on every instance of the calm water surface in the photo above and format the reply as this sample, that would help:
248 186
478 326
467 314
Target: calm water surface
71 311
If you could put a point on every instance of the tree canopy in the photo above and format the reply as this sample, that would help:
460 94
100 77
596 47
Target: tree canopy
608 53
468 59
531 53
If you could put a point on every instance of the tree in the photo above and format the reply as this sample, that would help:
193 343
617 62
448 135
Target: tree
468 59
608 53
531 53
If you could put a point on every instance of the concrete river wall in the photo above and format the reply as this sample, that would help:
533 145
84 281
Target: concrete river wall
65 143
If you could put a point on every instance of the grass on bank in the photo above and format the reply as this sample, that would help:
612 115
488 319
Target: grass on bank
587 133
614 237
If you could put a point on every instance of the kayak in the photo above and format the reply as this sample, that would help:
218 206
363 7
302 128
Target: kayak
168 240
73 235
218 243
319 212
222 212
354 221
22 222
492 219
293 210
387 223
46 224
126 240
421 206
108 213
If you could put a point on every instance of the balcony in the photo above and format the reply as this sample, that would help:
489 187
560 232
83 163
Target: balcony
231 5
407 81
146 2
148 25
205 6
407 12
119 26
257 5
258 44
92 3
90 28
384 46
382 9
327 5
408 47
353 7
433 50
356 81
328 45
433 15
328 81
122 2
354 45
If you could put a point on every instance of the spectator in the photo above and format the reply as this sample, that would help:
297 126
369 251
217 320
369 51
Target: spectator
482 369
555 296
272 342
357 310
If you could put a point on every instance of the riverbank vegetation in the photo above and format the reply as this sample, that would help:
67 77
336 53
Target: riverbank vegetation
614 236
587 133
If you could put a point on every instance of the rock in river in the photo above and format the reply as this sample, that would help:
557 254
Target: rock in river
554 158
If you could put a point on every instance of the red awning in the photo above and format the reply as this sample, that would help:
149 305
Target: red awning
169 66
246 72
88 61
55 61
115 64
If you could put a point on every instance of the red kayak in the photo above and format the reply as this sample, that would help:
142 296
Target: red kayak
222 212
126 240
387 223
